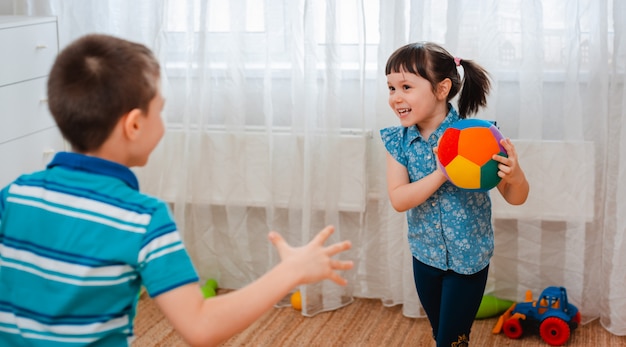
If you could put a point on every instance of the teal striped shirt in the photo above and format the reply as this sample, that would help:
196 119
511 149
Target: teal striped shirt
77 241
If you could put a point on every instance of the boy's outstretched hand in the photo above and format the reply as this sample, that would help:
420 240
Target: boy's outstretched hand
211 321
313 261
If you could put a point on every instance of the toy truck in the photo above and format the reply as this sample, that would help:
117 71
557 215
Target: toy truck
551 315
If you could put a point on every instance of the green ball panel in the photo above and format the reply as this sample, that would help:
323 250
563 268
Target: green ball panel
489 174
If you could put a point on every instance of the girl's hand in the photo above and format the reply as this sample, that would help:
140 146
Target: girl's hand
439 172
509 169
514 186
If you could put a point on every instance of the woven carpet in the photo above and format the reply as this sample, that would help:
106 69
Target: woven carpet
365 322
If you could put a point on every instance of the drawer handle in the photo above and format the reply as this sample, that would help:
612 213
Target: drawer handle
41 47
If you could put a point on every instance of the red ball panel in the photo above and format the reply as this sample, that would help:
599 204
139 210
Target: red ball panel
448 146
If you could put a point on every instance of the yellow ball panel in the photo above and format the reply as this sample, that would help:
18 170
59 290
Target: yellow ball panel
463 173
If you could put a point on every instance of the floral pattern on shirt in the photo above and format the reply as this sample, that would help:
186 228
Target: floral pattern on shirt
452 229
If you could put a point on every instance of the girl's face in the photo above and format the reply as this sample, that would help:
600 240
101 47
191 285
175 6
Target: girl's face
413 100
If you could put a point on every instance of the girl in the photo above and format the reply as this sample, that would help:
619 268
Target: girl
450 231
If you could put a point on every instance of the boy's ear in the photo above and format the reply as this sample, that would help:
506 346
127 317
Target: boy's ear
131 123
443 89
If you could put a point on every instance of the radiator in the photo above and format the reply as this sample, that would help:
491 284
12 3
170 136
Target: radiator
268 169
560 173
562 181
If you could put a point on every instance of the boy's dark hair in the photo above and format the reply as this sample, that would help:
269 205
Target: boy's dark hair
95 81
434 63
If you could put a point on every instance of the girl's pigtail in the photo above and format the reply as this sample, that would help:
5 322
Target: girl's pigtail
476 85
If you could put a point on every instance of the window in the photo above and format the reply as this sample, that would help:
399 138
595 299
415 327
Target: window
357 27
267 43
214 15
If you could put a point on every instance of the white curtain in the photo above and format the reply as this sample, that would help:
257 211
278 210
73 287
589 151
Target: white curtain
273 111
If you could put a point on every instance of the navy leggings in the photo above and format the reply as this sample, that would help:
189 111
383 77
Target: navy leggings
451 301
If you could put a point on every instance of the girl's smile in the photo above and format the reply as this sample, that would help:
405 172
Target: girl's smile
414 101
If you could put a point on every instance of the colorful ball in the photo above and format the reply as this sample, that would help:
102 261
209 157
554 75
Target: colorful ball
465 154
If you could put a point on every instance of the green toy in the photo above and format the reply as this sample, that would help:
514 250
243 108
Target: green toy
209 289
211 282
490 306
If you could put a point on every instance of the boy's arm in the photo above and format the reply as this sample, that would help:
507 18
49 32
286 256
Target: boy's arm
403 194
208 322
513 186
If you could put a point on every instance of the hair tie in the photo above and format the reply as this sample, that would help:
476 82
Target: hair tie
457 61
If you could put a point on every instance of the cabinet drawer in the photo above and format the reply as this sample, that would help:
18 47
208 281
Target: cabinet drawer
28 51
28 154
23 109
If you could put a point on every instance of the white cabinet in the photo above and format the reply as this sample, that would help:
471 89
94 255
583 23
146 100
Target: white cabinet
28 134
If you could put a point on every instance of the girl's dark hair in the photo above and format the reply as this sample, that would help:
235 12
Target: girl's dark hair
95 81
434 63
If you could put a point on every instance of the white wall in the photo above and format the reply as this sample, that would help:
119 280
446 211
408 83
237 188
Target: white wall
6 7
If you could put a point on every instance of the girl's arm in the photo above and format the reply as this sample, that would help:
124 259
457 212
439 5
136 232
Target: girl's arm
208 322
403 194
514 186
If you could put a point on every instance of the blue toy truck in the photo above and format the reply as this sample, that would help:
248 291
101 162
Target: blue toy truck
551 315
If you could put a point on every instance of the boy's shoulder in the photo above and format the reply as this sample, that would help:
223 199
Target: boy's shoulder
112 191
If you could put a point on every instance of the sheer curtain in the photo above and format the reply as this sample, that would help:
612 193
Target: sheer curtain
273 111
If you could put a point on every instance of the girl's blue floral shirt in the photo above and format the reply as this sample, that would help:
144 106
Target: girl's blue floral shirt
452 229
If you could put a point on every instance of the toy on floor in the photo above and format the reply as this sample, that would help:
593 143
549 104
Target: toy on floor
551 315
465 154
209 289
296 300
491 306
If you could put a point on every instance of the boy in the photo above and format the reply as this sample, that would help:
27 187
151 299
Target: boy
78 240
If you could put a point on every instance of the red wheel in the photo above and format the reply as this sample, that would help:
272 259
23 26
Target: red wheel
554 331
512 328
577 318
